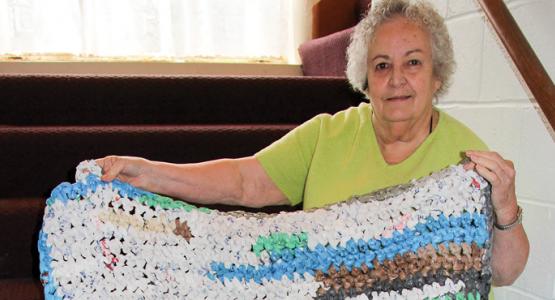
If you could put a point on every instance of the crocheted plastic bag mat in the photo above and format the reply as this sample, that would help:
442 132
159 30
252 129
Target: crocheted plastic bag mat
430 238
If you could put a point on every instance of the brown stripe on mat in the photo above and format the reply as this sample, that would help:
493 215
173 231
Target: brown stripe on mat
426 262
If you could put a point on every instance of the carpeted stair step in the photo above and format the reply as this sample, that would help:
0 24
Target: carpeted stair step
35 159
128 100
21 289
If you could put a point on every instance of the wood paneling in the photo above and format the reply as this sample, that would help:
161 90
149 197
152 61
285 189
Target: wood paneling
330 16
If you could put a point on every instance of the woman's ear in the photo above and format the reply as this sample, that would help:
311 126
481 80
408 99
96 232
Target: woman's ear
365 89
437 85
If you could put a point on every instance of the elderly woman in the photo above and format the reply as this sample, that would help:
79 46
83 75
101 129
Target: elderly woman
401 58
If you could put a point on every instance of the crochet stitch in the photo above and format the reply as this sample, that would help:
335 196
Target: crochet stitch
430 238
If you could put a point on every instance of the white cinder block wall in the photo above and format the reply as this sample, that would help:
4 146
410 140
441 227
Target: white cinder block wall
488 96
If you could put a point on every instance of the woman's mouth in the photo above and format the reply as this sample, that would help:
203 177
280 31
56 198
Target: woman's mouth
398 98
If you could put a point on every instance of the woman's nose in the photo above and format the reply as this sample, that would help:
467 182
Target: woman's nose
397 77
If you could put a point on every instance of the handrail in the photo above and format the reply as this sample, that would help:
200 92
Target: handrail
532 71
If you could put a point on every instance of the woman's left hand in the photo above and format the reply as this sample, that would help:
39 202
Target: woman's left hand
510 247
501 175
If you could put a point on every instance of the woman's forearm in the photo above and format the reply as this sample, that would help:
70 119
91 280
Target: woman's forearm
510 253
241 181
210 182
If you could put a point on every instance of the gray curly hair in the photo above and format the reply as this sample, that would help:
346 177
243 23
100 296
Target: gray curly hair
418 11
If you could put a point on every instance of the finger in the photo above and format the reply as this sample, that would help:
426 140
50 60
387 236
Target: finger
494 157
487 174
506 165
112 168
509 167
488 169
504 169
106 161
101 162
489 154
469 166
488 162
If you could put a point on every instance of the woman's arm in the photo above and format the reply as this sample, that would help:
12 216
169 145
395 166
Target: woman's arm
510 247
240 181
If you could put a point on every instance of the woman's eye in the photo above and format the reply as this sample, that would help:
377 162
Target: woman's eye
414 62
381 66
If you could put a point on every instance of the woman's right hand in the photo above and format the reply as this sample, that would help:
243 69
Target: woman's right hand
133 170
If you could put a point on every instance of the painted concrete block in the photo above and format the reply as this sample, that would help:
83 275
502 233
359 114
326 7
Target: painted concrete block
458 7
539 275
467 35
509 293
441 7
500 79
498 126
536 172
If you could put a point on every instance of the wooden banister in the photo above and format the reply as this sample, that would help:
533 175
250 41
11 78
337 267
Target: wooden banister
532 71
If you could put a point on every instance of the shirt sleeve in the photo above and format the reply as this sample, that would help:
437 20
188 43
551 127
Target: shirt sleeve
287 160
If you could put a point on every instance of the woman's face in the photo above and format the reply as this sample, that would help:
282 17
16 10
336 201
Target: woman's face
400 71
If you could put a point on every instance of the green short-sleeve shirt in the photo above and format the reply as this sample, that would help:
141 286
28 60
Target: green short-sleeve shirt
331 158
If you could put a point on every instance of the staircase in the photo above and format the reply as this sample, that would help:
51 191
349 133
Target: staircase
48 124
